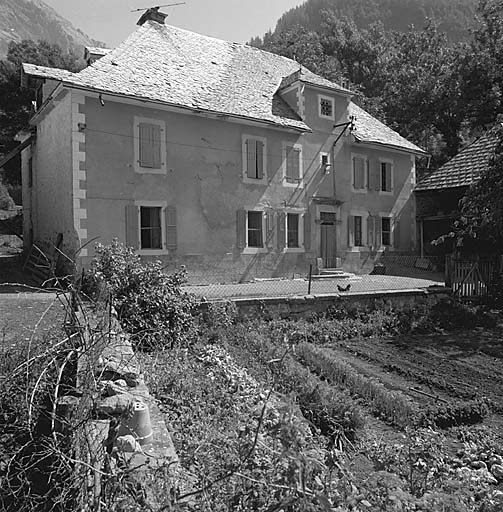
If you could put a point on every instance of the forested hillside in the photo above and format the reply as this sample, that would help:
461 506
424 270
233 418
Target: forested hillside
436 92
454 17
34 19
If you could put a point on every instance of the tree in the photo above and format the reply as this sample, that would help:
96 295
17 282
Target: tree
481 224
15 101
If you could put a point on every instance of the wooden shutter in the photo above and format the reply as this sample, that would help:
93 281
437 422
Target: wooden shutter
387 171
351 231
171 228
260 159
241 229
396 234
269 221
295 164
371 221
281 231
378 225
145 144
156 146
132 235
375 175
307 231
251 154
358 173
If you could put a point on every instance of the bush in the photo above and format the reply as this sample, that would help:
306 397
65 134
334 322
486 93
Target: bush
6 202
150 304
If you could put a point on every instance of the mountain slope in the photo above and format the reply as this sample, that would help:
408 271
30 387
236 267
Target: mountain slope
455 17
33 19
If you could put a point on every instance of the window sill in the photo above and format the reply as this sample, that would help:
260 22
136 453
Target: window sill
359 190
298 184
255 250
147 170
358 249
385 192
254 181
152 252
294 250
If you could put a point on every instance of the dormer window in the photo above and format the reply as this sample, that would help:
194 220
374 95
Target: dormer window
326 107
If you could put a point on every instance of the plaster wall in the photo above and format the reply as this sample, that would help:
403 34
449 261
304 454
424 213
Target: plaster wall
51 198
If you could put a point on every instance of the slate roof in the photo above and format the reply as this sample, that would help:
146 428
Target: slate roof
464 168
181 68
371 131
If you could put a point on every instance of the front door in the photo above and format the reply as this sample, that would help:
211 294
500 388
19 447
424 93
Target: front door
328 239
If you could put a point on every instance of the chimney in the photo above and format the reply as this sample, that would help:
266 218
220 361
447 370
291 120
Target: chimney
152 14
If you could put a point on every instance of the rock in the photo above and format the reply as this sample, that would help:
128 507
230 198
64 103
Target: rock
497 471
484 475
496 459
116 387
114 405
497 496
127 444
478 464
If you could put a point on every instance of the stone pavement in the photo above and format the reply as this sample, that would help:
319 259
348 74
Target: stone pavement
299 287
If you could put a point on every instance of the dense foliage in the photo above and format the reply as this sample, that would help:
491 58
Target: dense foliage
150 303
434 92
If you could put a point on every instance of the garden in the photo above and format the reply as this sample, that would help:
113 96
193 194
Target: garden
361 408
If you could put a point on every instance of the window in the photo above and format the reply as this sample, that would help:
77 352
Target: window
30 172
385 231
358 231
292 238
292 165
150 227
254 159
325 163
326 107
255 230
386 177
149 145
359 173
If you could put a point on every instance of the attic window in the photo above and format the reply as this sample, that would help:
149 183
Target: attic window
326 107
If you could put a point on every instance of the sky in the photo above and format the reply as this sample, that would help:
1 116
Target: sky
111 21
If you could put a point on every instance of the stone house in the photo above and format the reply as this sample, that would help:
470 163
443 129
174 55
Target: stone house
231 160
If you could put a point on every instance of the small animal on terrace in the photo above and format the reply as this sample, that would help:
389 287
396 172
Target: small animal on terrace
344 288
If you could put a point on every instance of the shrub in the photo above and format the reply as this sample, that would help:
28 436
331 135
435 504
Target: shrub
150 304
6 202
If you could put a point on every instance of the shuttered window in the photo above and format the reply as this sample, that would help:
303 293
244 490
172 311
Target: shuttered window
171 229
149 145
150 227
385 231
255 230
254 149
359 164
292 171
358 231
292 238
386 180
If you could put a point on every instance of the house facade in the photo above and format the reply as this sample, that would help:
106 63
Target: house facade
230 160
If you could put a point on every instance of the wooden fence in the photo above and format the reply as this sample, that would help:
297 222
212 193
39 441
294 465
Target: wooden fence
471 277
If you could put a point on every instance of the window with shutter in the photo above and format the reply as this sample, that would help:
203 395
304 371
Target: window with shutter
359 171
254 158
150 227
385 231
386 177
293 165
255 230
149 145
292 234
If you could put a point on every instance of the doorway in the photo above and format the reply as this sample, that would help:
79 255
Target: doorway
328 241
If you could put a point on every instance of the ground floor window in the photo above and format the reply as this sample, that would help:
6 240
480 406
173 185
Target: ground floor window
358 231
293 230
150 227
385 231
255 230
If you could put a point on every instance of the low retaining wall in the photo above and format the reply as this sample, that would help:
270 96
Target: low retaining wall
305 306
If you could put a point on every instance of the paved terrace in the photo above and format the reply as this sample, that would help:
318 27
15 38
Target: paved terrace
299 287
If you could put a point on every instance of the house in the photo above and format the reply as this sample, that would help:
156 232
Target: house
231 160
439 193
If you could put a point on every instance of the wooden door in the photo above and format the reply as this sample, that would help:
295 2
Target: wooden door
328 246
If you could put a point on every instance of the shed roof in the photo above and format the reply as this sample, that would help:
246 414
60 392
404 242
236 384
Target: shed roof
465 167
